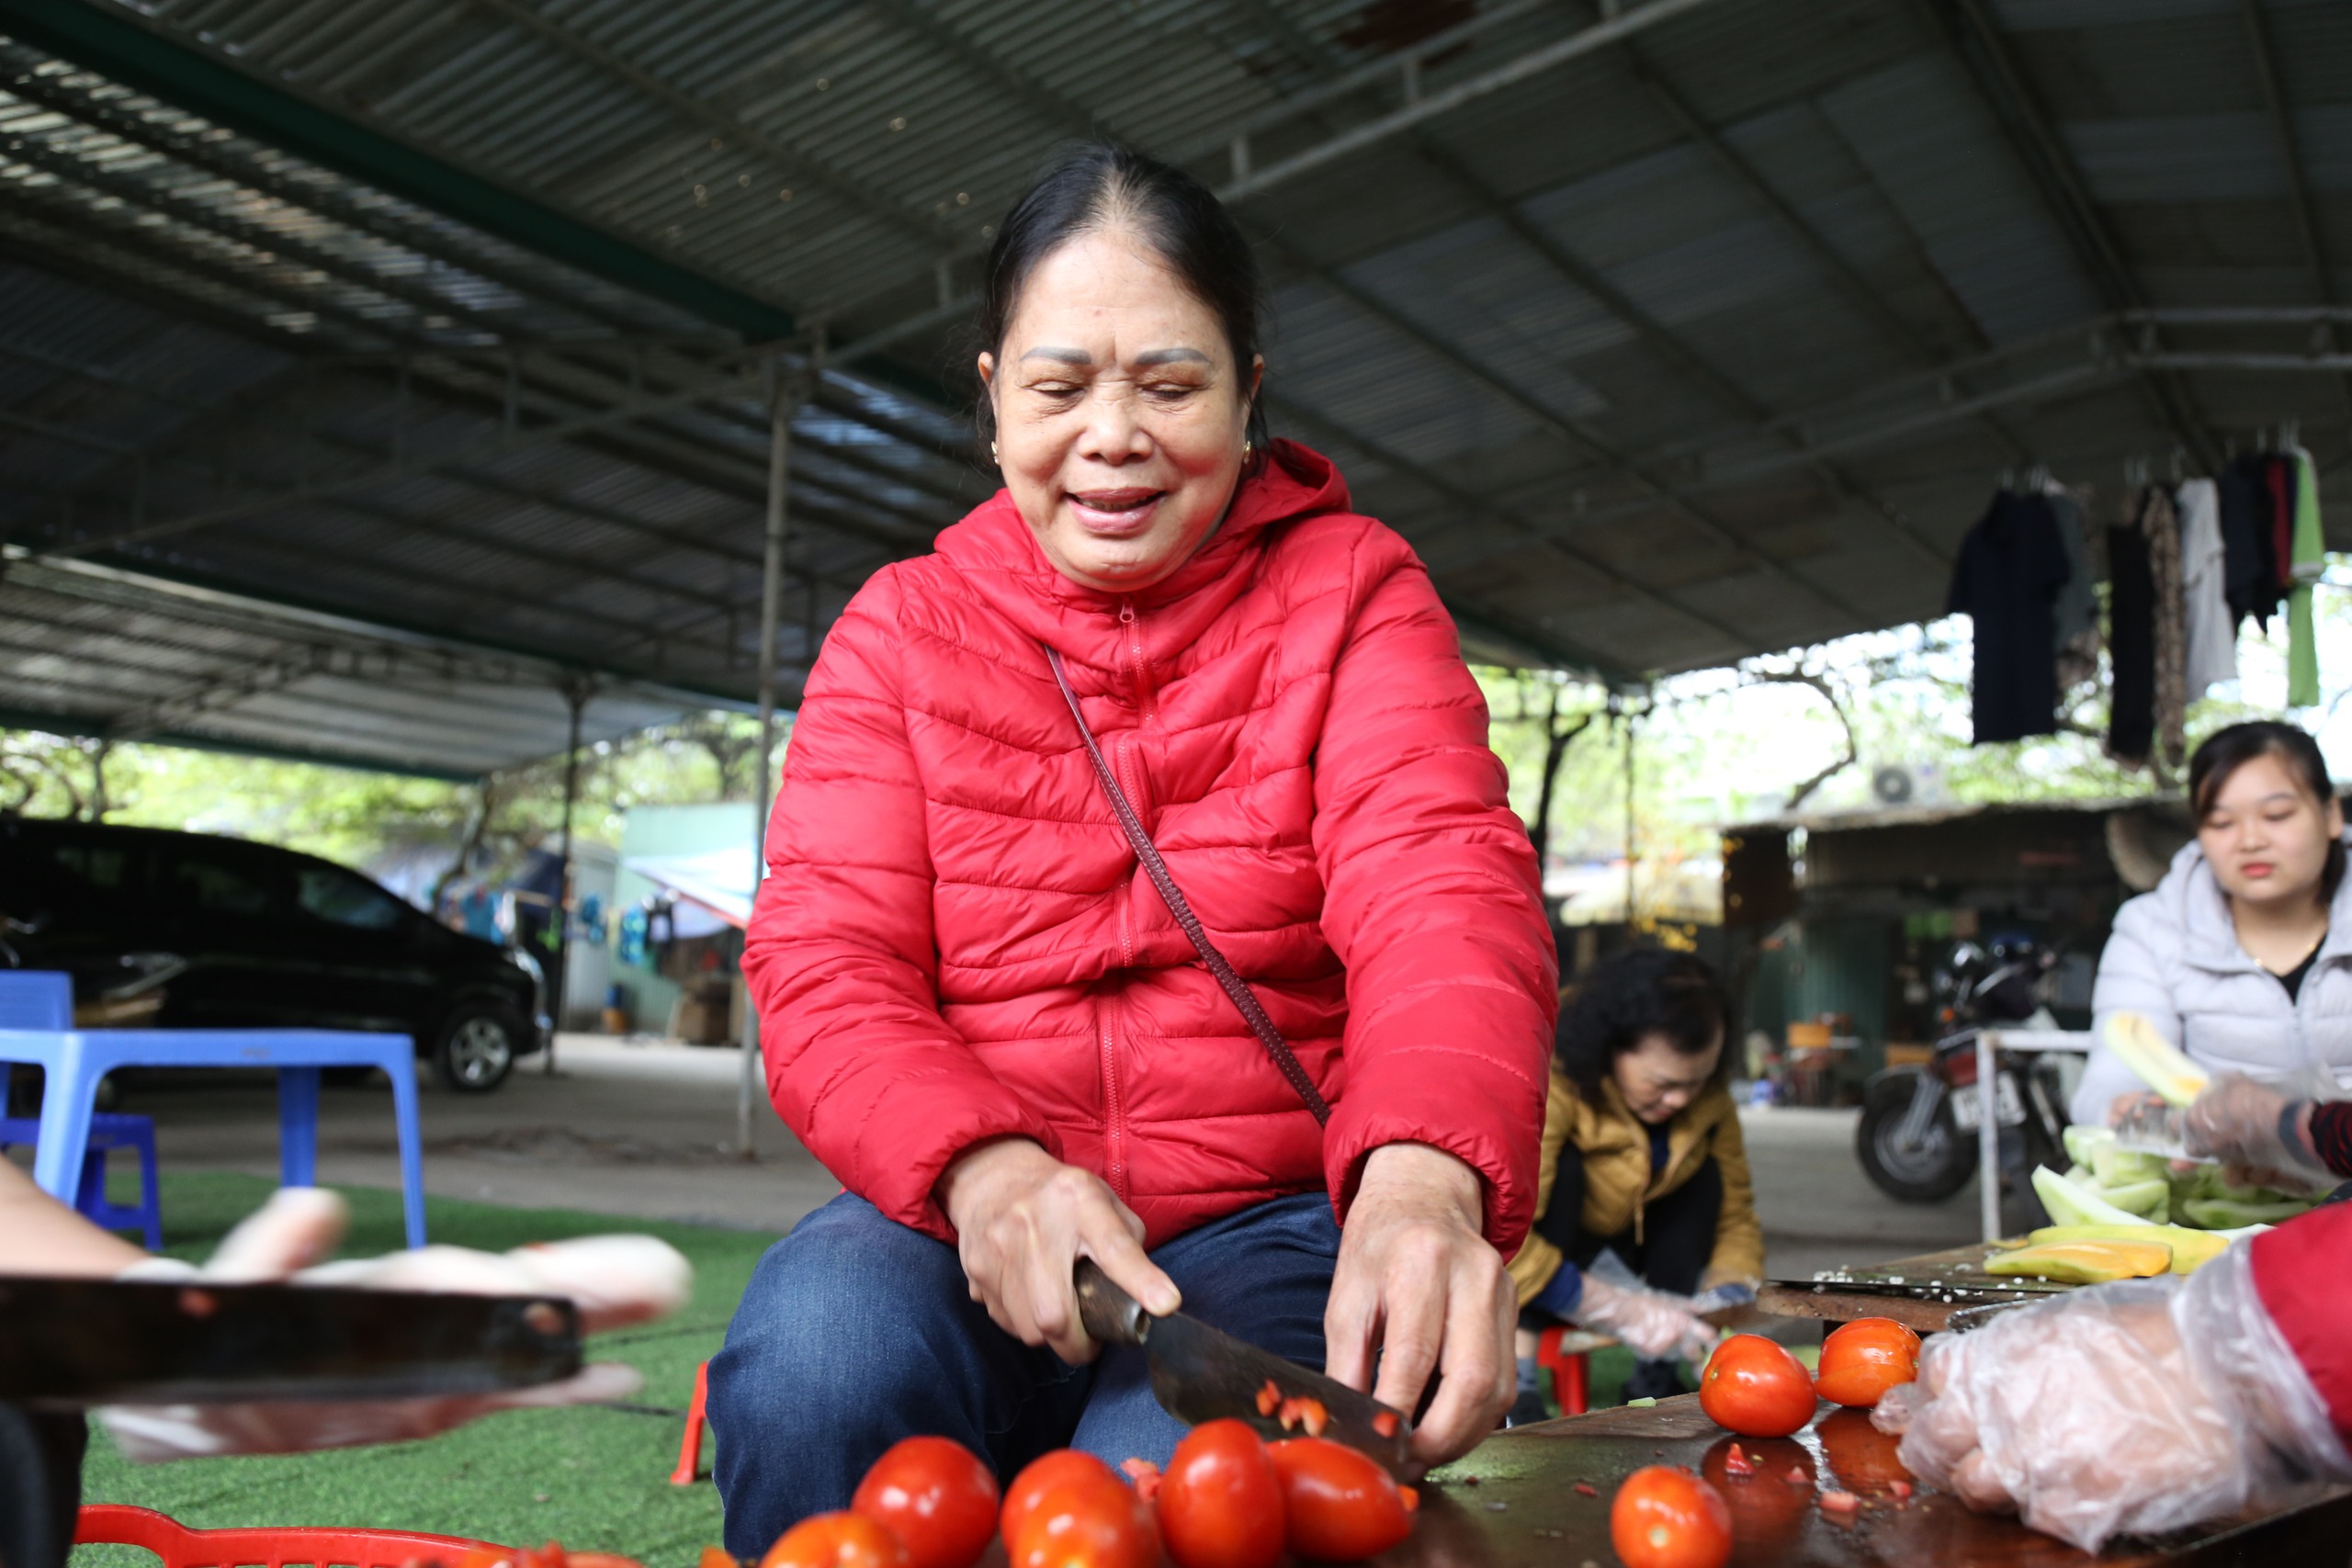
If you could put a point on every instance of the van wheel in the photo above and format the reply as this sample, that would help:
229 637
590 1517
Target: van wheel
477 1048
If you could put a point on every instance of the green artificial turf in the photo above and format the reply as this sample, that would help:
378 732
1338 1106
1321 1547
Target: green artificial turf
594 1478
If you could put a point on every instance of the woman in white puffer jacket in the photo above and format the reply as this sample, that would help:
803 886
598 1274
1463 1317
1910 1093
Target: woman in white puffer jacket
2243 954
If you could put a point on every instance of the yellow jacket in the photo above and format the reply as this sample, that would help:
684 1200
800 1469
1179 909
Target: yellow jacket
1617 1185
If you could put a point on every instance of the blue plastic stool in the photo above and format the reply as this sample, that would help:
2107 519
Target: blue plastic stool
108 1131
74 1060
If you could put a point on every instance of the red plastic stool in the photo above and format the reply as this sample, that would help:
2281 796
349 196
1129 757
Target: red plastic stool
1571 1373
118 1524
690 1446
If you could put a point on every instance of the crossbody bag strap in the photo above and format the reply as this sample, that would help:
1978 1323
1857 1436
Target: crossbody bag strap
1148 855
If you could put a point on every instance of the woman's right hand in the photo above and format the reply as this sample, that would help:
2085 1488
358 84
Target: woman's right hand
1023 1219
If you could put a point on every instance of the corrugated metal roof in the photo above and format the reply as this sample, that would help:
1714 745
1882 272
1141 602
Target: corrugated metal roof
1721 342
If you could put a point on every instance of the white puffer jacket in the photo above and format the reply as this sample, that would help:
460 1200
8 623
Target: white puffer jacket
2175 958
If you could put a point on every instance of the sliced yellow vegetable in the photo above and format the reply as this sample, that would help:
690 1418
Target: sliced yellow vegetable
2158 1062
2086 1262
2190 1249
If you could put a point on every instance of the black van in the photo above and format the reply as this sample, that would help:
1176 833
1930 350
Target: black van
166 930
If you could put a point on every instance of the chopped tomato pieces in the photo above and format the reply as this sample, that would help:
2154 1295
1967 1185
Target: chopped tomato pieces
1143 1475
1385 1423
1737 1463
1900 1488
1412 1496
1836 1501
1585 1489
1270 1398
1797 1477
1304 1412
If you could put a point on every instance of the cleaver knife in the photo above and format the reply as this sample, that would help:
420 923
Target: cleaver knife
1199 1373
2156 1130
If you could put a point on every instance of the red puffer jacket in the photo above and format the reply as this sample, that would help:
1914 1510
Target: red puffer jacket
954 943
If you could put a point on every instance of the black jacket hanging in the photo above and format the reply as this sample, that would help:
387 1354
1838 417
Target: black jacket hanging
2010 569
2131 643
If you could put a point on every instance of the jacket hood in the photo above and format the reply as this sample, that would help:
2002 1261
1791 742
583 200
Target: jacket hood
994 550
2191 900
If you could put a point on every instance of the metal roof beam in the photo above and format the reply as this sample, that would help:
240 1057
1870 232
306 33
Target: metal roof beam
2290 158
1249 180
35 211
801 166
1579 439
154 59
387 473
1857 290
1470 500
391 223
1838 484
1975 39
176 209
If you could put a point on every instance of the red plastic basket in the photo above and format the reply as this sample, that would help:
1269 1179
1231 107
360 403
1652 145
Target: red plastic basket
117 1524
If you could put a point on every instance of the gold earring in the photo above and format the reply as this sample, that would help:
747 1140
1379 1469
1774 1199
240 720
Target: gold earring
992 456
1247 448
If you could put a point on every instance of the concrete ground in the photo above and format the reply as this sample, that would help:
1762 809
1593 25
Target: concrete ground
647 1129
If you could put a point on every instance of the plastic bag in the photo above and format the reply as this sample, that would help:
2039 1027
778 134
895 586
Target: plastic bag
2134 1408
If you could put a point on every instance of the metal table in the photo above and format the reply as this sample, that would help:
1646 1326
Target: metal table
1525 1508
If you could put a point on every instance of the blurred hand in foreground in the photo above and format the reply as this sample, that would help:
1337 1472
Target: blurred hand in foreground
2134 1408
614 1279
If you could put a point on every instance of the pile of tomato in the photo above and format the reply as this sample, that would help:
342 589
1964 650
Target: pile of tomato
1228 1499
1666 1516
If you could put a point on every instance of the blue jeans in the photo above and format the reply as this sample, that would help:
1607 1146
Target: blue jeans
857 1331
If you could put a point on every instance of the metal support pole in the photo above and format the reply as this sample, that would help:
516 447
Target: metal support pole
1989 1134
575 697
1631 844
781 401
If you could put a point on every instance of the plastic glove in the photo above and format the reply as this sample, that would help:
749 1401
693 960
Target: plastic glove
613 1280
2258 1132
1657 1324
2134 1408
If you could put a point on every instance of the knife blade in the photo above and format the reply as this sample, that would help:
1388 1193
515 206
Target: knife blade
1199 1373
67 1342
2154 1129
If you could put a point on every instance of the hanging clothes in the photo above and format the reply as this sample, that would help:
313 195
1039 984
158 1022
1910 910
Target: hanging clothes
2073 616
2150 703
2210 630
2306 559
2131 643
2161 526
2011 568
2252 577
2278 489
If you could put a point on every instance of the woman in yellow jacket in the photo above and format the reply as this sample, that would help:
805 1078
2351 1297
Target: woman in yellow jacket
1641 1157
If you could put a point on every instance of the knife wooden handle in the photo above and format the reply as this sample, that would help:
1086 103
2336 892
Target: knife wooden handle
1110 1315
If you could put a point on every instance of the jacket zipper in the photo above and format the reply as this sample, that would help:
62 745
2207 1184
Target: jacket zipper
1115 1125
1124 761
1139 669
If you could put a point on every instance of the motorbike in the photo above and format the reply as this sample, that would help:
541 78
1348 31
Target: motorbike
1917 1137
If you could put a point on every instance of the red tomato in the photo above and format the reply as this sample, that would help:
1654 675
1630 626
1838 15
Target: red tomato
1861 1359
1337 1505
936 1496
1042 1475
716 1557
1755 1388
1220 1501
1085 1521
1664 1517
841 1539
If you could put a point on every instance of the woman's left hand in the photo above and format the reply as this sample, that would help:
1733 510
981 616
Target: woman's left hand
1418 1287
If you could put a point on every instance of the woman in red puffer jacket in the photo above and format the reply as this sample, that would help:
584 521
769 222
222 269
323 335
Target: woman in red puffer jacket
980 1013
